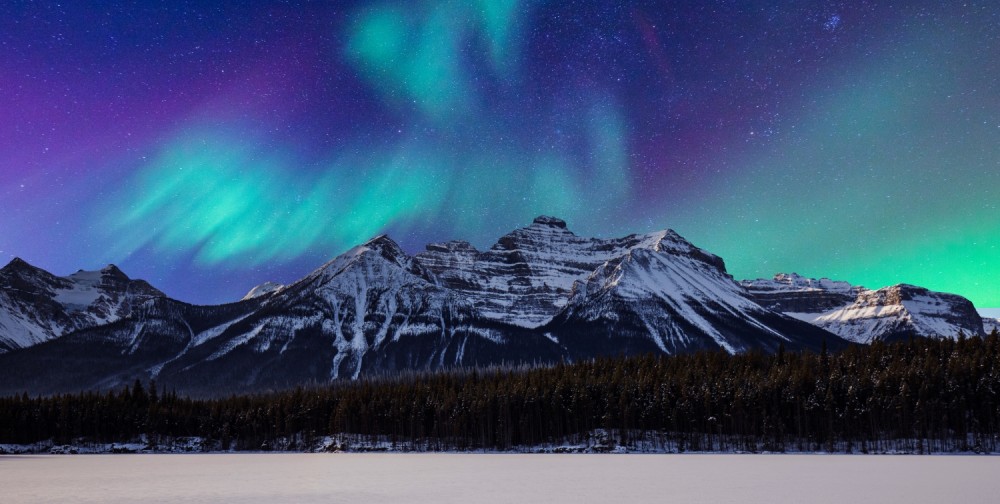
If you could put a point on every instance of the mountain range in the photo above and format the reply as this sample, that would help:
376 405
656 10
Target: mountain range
540 295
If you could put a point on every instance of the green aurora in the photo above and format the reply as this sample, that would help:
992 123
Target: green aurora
857 142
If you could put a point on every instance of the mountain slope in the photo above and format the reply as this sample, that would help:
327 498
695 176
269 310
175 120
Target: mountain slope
114 354
371 310
526 277
862 315
991 324
37 306
666 295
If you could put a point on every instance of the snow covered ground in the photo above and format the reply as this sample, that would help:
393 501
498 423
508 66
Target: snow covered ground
141 445
450 478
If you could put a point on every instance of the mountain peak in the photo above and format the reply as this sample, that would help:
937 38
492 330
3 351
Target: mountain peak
113 271
21 268
17 263
545 220
388 248
670 242
380 241
544 233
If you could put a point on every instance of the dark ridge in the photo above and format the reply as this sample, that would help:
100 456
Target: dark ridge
17 263
113 271
546 220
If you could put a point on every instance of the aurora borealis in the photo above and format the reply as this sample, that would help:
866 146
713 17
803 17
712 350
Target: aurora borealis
208 149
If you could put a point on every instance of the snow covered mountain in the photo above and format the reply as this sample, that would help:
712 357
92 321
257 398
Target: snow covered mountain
371 310
675 296
666 295
375 309
862 315
991 324
37 306
526 277
541 294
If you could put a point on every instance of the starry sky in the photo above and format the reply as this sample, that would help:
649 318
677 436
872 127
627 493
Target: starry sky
210 148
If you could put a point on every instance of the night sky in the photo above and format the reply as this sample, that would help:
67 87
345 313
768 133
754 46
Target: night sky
208 149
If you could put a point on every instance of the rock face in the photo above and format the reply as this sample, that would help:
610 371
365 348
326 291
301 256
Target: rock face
794 294
37 306
862 315
526 277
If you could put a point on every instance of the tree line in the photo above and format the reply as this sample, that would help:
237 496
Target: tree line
921 395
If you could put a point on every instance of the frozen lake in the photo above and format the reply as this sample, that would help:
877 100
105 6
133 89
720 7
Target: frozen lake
442 478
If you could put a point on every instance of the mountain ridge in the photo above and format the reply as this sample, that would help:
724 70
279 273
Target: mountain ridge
864 315
541 294
37 306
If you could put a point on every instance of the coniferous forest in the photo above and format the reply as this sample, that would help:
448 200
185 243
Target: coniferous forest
918 396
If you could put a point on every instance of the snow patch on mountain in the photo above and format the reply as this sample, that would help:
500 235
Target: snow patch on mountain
83 290
262 290
19 329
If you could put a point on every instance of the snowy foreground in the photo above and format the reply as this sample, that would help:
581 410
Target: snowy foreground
447 478
596 442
